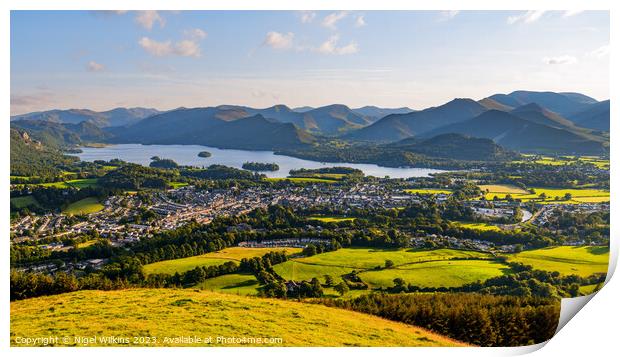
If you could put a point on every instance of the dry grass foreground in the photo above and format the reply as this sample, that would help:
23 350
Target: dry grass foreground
168 314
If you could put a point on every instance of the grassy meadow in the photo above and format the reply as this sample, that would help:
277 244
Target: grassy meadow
600 163
83 206
452 273
77 183
478 226
436 265
171 313
582 261
579 195
210 259
239 284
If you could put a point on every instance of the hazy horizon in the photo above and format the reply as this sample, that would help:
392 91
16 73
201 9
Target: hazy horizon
391 59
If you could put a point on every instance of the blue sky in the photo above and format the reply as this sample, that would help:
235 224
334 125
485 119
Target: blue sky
102 60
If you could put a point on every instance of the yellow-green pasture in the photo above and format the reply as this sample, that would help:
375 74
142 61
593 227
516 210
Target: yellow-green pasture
83 206
211 259
578 195
582 261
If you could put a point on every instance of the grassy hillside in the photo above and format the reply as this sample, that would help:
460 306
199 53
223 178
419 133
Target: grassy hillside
210 259
432 268
169 313
583 261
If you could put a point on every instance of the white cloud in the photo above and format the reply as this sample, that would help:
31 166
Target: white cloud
279 40
560 60
360 22
93 66
527 17
148 18
330 47
185 48
307 16
196 34
569 13
448 15
156 48
332 19
600 52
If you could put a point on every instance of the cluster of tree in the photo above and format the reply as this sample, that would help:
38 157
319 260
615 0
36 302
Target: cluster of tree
530 282
592 227
220 172
366 153
193 276
354 282
24 254
163 163
135 177
25 285
314 249
329 172
260 166
483 320
537 175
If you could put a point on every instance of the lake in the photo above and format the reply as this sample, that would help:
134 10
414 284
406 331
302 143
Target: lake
188 155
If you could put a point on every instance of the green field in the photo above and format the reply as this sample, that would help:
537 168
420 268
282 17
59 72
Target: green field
84 206
582 261
331 218
479 226
588 289
171 313
582 195
451 273
406 261
78 183
210 259
88 243
501 189
568 160
240 284
24 201
428 191
175 184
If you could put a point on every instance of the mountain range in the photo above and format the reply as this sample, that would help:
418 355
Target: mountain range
114 117
514 132
522 120
399 126
214 126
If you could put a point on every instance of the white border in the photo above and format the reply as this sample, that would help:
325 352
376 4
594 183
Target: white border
594 333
